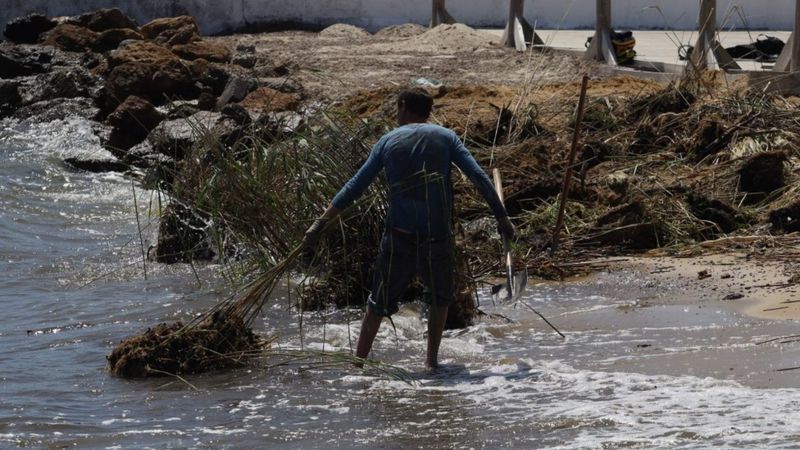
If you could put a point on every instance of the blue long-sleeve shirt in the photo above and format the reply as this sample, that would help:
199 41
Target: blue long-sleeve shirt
417 159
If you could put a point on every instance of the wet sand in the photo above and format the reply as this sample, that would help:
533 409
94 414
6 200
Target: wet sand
733 322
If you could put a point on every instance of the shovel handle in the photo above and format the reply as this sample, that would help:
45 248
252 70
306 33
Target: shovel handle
498 186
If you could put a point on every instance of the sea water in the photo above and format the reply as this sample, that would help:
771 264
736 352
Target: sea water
638 369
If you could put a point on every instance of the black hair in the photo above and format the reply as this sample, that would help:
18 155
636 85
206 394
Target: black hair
417 101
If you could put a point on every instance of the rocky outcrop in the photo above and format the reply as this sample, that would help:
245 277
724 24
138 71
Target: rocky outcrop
70 38
28 29
106 19
131 122
172 30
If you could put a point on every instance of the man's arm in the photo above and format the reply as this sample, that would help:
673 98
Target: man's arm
353 189
463 160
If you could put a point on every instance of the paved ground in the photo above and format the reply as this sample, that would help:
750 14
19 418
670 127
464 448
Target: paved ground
660 46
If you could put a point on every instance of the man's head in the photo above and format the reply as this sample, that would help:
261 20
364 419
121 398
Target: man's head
414 106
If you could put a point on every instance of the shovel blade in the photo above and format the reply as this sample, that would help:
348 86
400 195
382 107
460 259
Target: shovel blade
503 293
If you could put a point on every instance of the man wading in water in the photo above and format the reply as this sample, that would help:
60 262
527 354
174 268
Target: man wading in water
418 240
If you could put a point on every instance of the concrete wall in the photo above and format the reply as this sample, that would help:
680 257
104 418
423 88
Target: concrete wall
217 16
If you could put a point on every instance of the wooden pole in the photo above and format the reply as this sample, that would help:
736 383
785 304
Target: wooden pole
601 48
518 31
789 60
439 14
570 163
708 53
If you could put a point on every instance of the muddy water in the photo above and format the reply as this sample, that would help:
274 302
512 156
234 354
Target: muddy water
643 365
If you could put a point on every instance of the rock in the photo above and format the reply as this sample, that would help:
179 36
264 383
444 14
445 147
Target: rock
734 296
70 38
97 165
246 61
182 110
165 29
235 91
110 39
58 109
182 236
184 35
16 61
9 97
238 114
150 71
703 274
265 99
106 19
762 174
207 101
175 138
210 51
288 85
246 48
215 76
131 122
60 83
28 29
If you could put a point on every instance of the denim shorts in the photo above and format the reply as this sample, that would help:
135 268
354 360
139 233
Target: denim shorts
404 256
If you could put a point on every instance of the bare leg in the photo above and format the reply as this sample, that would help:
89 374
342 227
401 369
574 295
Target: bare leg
369 329
436 321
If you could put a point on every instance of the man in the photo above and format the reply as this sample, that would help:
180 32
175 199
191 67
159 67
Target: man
417 158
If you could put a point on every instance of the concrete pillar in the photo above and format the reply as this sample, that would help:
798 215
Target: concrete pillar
518 31
789 60
439 14
708 53
601 48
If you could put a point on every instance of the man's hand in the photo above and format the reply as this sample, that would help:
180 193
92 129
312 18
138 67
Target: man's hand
312 237
505 228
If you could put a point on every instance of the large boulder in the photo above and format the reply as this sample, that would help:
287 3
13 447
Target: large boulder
110 39
210 51
150 71
172 30
106 19
28 29
70 38
131 122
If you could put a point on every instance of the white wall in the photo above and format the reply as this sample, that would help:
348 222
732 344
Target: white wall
217 16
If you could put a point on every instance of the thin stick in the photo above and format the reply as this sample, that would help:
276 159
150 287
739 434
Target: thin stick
543 318
570 161
139 227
